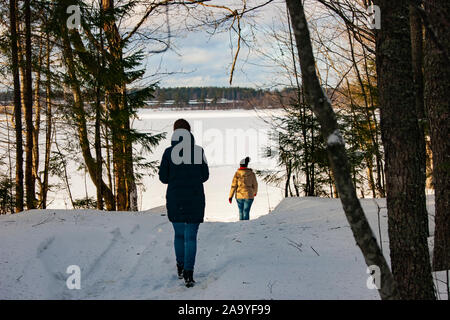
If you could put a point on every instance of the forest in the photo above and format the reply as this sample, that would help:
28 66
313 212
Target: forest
180 95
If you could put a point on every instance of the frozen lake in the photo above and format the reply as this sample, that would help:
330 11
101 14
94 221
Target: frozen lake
227 137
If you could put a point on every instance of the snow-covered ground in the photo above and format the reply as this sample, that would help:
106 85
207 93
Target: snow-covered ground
304 249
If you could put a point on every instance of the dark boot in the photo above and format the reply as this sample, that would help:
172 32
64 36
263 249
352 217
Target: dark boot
180 271
188 276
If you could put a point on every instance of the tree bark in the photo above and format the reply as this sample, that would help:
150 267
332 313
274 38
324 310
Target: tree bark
17 107
437 89
117 110
108 158
98 156
48 125
37 121
66 176
417 62
321 105
370 176
97 142
401 136
28 97
288 178
132 204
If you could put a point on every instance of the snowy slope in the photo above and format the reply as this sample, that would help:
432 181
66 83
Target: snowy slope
304 249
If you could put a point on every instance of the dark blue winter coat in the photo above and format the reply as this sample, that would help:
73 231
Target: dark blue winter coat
185 174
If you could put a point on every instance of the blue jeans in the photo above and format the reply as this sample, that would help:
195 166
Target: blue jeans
185 243
244 206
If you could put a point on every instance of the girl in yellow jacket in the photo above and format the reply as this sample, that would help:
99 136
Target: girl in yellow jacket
246 187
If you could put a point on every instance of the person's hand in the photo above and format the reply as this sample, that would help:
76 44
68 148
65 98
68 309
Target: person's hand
229 200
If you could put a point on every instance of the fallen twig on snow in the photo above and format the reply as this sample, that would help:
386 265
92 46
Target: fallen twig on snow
315 251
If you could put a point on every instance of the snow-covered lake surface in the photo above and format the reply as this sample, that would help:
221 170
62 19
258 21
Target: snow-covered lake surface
304 249
227 136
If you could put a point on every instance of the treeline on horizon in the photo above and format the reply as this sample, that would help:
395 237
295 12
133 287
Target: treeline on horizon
162 94
214 93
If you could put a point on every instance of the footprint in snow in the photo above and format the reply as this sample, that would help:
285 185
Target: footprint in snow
43 246
135 228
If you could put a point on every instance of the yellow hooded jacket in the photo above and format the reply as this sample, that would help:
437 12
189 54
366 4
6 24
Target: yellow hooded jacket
244 184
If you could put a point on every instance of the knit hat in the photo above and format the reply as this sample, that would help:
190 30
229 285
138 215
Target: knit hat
244 162
181 124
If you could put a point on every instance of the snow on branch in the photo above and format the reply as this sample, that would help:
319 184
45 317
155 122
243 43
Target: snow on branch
335 138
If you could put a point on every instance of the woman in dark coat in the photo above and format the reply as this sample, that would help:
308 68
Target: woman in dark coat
184 168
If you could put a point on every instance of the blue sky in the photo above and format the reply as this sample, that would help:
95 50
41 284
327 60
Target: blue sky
199 59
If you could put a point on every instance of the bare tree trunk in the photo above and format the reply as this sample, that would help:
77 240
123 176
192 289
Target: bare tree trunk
66 176
437 89
97 142
28 95
117 111
21 59
288 179
370 176
108 158
410 259
48 126
336 151
417 62
312 191
296 183
98 156
17 107
131 182
37 122
11 204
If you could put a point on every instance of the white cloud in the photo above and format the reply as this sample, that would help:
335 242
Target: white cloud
196 55
195 81
200 59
